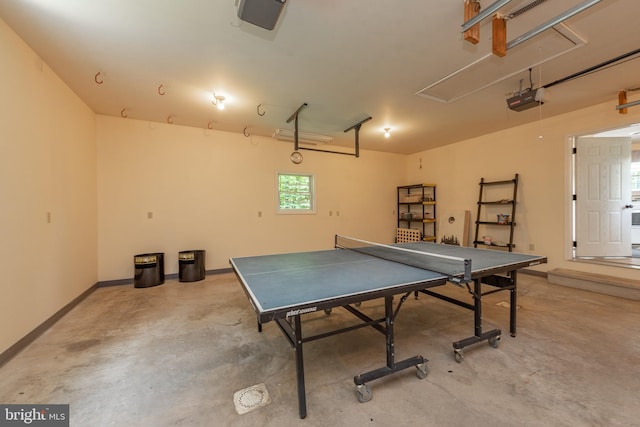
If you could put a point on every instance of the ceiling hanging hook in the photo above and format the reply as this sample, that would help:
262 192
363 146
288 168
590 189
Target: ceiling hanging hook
356 128
210 125
100 80
161 90
294 117
258 110
123 113
245 132
170 119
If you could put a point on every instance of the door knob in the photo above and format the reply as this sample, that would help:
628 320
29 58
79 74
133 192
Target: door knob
628 206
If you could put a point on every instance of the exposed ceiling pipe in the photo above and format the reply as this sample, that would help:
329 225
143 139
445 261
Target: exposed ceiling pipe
484 14
623 104
627 105
593 68
555 21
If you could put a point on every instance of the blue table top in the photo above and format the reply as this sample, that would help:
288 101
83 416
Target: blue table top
278 285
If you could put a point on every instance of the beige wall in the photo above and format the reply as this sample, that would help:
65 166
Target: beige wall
216 191
542 164
47 165
99 177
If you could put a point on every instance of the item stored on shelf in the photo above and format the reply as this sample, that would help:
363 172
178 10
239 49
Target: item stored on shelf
503 219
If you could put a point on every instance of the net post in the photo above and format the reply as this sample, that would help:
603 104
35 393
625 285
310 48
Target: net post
467 270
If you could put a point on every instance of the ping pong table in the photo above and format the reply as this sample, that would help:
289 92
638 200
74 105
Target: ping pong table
284 287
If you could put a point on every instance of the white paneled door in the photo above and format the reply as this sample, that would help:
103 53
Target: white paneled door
603 197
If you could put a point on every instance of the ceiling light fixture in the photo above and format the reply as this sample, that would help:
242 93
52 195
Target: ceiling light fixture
387 132
218 101
303 137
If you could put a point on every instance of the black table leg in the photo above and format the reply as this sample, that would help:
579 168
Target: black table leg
302 400
492 336
364 392
513 301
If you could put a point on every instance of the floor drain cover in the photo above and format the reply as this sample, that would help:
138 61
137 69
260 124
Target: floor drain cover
250 398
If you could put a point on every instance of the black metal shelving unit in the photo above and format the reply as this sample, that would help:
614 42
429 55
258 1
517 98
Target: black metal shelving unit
417 209
484 204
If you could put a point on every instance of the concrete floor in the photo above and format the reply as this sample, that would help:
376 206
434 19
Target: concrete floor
173 355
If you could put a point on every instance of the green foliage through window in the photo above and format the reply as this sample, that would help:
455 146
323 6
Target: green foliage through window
295 192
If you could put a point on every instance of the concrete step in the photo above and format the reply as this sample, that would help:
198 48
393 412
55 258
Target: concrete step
609 285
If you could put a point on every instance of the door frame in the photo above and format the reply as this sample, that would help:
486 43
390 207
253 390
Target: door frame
570 190
611 210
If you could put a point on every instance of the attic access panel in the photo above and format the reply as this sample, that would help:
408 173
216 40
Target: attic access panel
491 69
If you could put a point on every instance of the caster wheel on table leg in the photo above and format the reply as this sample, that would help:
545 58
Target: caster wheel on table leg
364 393
422 370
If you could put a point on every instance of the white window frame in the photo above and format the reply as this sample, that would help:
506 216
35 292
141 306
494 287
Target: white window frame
312 190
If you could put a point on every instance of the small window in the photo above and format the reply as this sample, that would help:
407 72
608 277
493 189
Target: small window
295 193
635 176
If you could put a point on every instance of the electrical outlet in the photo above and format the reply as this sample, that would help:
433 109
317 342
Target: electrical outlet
532 247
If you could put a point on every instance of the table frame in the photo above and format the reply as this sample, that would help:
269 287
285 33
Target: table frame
292 330
503 278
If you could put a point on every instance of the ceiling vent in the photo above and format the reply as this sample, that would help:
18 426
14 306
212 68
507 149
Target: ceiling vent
307 138
263 13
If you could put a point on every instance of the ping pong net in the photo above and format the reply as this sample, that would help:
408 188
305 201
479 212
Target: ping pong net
458 269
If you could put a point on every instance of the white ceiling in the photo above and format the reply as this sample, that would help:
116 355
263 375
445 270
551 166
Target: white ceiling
347 59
